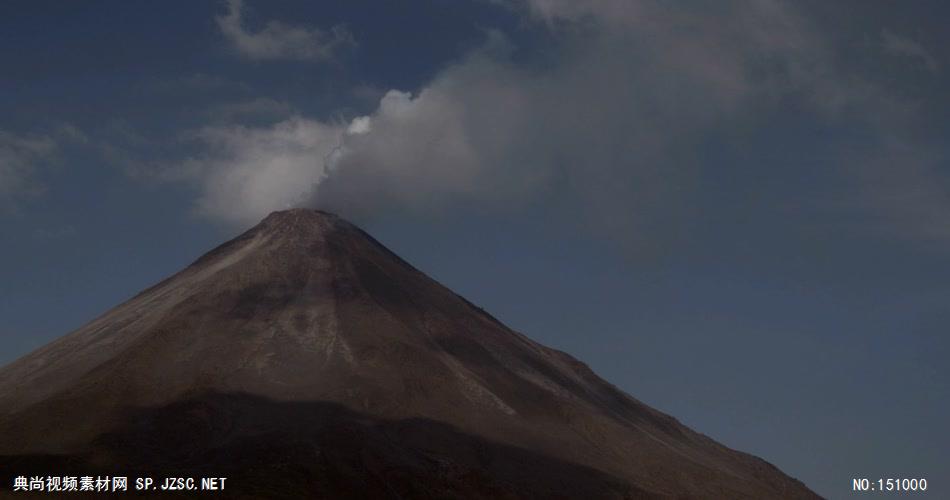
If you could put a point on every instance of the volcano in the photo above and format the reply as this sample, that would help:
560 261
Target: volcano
303 359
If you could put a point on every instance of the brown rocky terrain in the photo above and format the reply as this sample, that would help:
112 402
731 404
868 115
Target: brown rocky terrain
304 359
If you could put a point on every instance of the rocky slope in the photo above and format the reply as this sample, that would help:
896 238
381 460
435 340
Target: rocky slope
303 358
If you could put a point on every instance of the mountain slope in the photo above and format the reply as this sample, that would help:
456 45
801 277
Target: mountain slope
303 349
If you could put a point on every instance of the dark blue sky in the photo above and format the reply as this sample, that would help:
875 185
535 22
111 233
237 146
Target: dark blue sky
739 214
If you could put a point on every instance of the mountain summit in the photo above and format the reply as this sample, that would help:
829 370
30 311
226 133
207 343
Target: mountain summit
304 359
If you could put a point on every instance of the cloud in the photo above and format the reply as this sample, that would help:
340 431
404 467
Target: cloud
20 157
246 172
25 157
280 41
360 125
609 125
615 124
899 46
610 121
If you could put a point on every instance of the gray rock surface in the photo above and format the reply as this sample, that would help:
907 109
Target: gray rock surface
305 350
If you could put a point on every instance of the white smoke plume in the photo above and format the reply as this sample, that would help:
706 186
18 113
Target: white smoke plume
611 124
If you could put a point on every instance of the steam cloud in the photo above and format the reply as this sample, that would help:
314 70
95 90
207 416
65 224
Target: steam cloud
611 124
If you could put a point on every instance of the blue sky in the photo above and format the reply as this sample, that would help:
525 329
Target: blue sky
737 212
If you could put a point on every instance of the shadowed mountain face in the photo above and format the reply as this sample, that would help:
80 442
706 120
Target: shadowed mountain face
305 359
